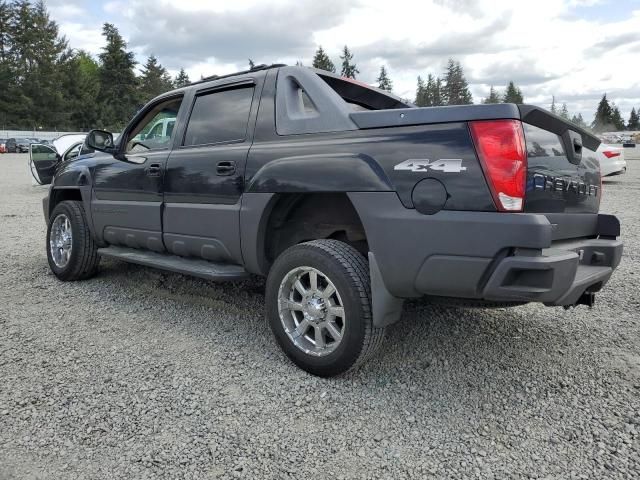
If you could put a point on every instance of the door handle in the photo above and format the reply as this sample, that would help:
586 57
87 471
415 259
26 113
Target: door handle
226 168
154 170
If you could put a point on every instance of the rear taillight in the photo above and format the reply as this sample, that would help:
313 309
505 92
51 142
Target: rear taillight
610 154
501 148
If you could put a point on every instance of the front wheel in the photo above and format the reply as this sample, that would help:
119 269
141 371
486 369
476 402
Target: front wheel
318 300
71 252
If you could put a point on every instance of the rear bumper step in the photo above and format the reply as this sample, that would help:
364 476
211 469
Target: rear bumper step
558 276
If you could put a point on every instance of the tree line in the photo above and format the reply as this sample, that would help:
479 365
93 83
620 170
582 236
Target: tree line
453 89
46 84
608 118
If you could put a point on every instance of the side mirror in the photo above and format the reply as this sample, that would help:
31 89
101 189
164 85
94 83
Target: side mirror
100 140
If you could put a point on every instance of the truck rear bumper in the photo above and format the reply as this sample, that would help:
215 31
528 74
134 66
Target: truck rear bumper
510 257
555 276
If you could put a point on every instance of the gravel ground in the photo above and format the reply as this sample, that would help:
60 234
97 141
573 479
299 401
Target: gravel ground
142 374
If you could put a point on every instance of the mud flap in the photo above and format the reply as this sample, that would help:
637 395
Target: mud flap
386 308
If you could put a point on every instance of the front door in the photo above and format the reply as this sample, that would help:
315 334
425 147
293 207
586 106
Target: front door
127 200
204 176
43 160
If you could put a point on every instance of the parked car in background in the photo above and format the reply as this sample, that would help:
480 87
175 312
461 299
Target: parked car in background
611 159
18 145
3 146
61 150
162 129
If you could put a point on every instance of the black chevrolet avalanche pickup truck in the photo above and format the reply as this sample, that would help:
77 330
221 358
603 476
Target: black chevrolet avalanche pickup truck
348 199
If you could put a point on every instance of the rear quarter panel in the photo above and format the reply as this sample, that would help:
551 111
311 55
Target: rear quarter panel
365 160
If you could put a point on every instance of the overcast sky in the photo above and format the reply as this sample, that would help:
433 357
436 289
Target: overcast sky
573 49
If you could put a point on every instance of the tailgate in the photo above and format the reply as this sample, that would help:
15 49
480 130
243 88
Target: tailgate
563 174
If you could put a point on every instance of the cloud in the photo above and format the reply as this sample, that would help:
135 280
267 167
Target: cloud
264 32
399 53
570 49
470 7
617 40
523 71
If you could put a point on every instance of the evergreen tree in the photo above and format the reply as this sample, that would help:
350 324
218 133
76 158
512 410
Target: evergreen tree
6 14
513 94
578 120
322 61
434 92
634 120
564 111
37 53
493 96
421 93
154 80
251 64
182 79
118 95
616 118
602 120
349 69
81 87
7 76
429 94
553 107
384 82
456 89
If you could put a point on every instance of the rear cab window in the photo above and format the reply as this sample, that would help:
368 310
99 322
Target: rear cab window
361 96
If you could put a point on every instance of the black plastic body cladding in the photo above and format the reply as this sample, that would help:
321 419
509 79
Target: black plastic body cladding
488 256
403 240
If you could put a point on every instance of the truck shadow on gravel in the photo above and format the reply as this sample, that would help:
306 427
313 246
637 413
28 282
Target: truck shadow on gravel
469 344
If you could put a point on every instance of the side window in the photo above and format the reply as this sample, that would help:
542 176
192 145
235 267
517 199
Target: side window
219 117
152 131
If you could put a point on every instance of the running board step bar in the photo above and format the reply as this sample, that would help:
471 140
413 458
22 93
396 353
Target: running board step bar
187 266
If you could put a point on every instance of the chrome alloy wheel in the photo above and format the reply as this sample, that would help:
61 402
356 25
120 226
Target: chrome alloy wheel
311 311
60 240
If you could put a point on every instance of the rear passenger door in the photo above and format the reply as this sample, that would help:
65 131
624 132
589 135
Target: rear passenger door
204 177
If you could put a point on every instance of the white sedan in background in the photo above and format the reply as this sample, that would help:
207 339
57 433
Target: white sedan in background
611 159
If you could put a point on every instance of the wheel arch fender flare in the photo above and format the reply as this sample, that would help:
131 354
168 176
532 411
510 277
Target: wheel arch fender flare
254 214
67 180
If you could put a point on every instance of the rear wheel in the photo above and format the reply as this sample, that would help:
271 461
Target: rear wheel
71 251
319 307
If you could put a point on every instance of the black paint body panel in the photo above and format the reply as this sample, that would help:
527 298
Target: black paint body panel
363 160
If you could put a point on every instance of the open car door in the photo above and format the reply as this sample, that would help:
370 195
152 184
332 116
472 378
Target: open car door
42 162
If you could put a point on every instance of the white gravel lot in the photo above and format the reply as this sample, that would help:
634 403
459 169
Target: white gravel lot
142 374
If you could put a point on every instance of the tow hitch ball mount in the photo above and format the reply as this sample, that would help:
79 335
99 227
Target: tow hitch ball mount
587 298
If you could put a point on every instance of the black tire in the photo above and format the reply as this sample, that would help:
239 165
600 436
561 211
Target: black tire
349 272
84 259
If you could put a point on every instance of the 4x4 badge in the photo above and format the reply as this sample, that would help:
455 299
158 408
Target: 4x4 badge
449 165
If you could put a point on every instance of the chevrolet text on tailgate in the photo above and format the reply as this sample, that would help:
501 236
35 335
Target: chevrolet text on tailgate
346 198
